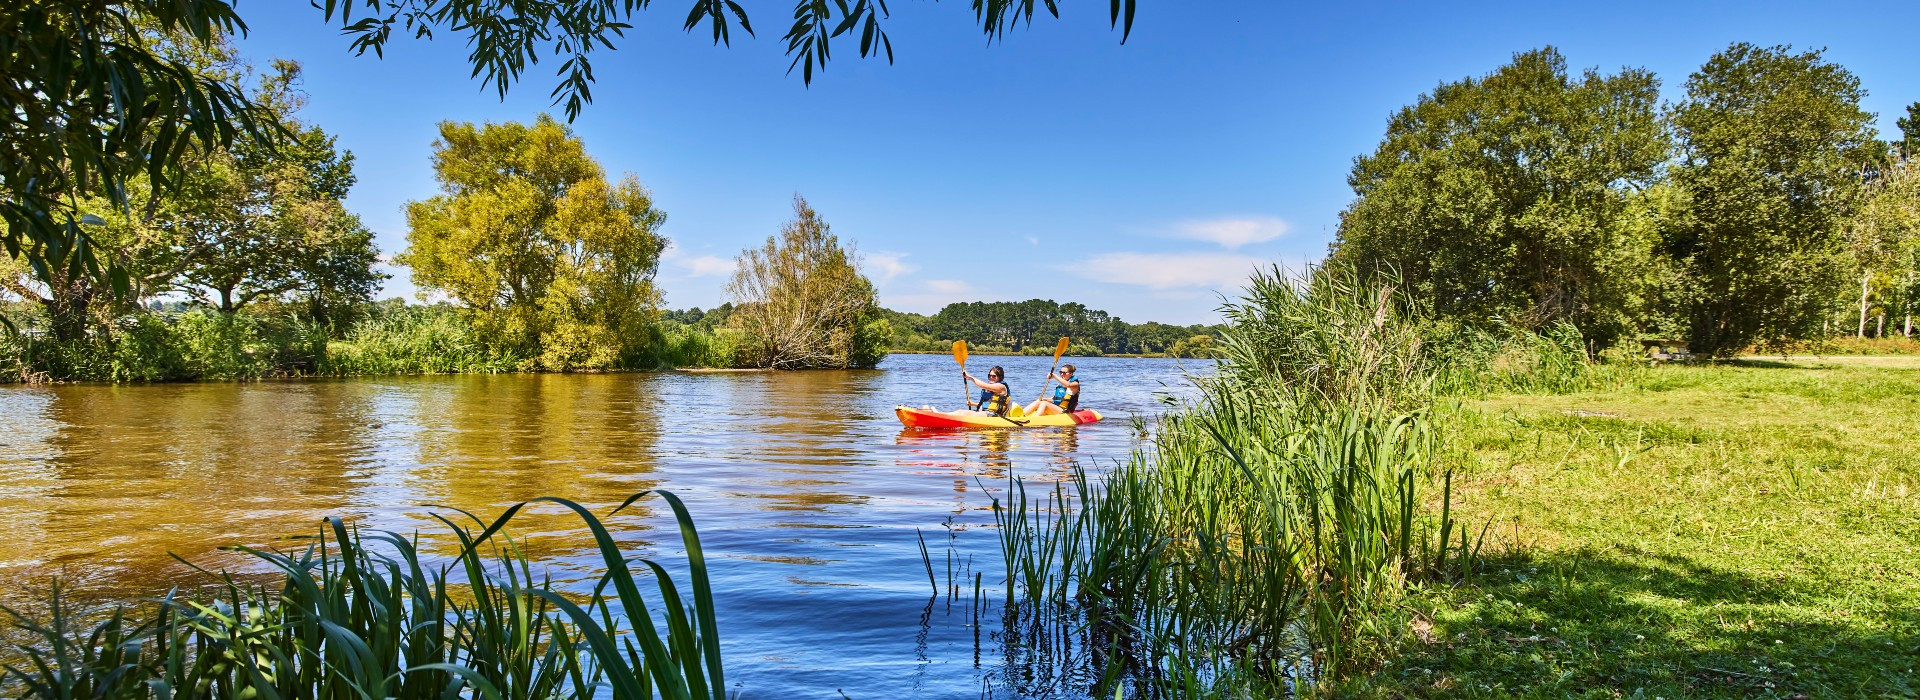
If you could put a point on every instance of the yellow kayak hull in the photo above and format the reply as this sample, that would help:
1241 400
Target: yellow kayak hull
922 418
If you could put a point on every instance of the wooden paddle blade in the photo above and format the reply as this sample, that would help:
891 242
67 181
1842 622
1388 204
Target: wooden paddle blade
1060 349
960 351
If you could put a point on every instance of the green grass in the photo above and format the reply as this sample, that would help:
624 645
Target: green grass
1740 530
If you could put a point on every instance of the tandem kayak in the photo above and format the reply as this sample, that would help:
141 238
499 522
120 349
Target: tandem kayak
922 418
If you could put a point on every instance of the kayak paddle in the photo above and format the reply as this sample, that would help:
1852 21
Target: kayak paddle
1058 350
960 356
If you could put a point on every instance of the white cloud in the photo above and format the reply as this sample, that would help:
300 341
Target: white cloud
697 265
889 265
1232 233
1033 241
949 286
706 266
938 294
1161 271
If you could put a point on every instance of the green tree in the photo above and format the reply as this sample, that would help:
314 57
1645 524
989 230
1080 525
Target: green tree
105 100
148 253
1885 242
552 263
1773 145
1909 143
266 219
802 301
1517 195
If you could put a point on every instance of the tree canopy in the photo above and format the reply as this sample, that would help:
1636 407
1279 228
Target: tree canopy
1520 195
551 262
1773 147
253 220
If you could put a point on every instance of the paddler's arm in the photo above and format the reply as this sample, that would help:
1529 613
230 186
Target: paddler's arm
986 385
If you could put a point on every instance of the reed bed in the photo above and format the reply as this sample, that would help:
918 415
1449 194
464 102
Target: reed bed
362 615
1258 544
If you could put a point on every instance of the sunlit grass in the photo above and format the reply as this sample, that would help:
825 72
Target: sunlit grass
1715 531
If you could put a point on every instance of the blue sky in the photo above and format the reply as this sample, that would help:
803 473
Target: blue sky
1144 179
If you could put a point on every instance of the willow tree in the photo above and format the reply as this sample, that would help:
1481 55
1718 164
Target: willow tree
1520 195
551 262
1773 147
802 302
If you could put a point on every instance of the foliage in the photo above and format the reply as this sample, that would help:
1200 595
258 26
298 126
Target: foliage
261 219
1842 346
550 261
1199 346
802 302
505 37
1474 360
1773 146
1328 334
1909 144
360 615
255 221
390 338
396 338
1519 195
1020 326
99 94
99 97
683 345
1264 536
1884 237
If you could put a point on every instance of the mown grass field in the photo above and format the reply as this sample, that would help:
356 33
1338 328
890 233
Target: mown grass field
1740 530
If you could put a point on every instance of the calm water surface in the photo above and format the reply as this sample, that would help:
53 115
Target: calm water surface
806 490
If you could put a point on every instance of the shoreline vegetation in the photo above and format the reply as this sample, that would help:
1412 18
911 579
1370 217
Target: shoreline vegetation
1439 511
174 342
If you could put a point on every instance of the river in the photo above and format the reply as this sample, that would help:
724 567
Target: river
807 491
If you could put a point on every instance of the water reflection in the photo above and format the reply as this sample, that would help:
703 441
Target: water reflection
811 500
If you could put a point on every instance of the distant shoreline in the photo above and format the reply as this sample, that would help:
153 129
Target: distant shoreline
1003 353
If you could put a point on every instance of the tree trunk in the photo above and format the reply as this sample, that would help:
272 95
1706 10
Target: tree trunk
1880 326
1864 277
67 307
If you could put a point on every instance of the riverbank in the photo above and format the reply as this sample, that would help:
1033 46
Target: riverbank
1711 531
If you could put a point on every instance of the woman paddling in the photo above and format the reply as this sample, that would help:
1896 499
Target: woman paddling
995 397
1066 396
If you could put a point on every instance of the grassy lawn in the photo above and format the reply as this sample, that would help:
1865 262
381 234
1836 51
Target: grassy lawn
1745 530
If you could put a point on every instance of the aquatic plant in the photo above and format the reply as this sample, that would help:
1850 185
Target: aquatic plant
365 615
1257 544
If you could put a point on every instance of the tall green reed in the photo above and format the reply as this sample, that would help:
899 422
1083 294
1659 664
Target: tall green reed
1257 544
350 621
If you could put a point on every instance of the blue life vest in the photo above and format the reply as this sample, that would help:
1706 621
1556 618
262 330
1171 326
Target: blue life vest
1065 398
993 403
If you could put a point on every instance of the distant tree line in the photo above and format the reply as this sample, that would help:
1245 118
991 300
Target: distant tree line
1760 208
1030 326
